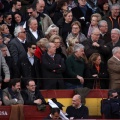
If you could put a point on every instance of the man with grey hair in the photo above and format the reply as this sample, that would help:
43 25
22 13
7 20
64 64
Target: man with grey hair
75 65
52 68
33 33
114 69
94 44
114 19
45 21
115 42
77 110
104 34
18 46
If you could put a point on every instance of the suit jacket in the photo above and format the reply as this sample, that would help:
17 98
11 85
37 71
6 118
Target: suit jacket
28 101
89 49
114 73
52 69
16 49
12 101
31 37
4 66
26 67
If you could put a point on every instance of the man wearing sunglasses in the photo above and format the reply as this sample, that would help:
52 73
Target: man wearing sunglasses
30 65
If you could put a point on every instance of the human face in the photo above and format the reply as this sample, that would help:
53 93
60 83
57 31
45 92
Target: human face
54 32
106 6
17 18
68 17
103 27
95 36
30 11
6 30
40 6
1 18
32 49
64 7
4 51
31 86
75 29
76 101
98 60
80 53
115 36
117 54
22 34
82 3
8 19
18 6
94 21
55 116
17 87
1 40
52 49
115 11
33 25
57 43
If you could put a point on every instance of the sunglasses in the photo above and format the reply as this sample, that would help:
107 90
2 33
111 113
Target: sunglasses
29 12
33 48
9 18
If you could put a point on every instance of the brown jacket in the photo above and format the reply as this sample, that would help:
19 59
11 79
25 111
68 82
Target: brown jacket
114 73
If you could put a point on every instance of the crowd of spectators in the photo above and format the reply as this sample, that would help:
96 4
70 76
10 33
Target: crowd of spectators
59 44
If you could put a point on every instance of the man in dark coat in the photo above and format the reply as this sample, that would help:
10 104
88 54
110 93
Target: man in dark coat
83 14
30 65
52 68
94 44
31 95
33 34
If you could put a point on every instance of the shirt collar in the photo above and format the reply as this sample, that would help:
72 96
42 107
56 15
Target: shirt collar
30 56
21 40
116 58
32 30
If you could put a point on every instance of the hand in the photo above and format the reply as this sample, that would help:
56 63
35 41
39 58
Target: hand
81 79
95 44
0 102
38 101
6 98
6 79
95 75
71 118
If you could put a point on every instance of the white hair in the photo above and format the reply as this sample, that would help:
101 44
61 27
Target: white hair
17 30
115 50
101 22
78 47
51 27
116 29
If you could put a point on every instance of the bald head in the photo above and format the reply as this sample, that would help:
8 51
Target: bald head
40 6
76 101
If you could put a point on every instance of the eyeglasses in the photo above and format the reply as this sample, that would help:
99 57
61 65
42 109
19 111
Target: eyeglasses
23 32
29 12
32 85
104 26
97 34
33 48
9 18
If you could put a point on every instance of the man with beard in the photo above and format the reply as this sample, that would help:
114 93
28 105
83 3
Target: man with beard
11 95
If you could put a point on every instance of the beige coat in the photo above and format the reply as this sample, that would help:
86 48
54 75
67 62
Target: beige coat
114 73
